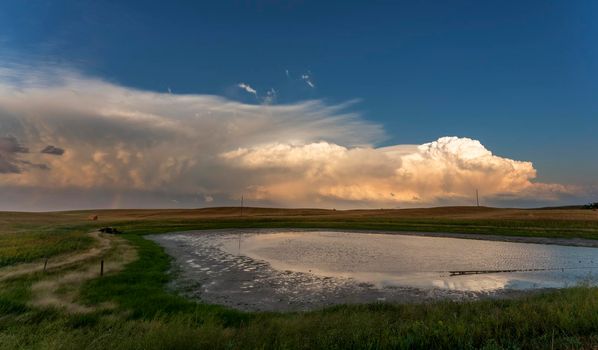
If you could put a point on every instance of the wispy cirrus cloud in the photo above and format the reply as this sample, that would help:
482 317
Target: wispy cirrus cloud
308 79
138 148
247 88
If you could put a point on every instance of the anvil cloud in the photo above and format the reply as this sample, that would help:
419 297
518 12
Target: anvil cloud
64 134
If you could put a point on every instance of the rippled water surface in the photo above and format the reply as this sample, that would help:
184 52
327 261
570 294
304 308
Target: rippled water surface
306 269
423 262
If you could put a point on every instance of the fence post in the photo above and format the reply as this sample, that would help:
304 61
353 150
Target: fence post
45 264
102 267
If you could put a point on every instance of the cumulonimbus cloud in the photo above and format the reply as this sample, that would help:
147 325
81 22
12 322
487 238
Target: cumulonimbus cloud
450 167
121 140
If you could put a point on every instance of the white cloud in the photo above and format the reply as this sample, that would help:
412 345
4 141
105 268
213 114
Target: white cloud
247 88
136 145
307 78
450 167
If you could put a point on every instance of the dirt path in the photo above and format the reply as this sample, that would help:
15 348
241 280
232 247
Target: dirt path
62 290
60 261
66 273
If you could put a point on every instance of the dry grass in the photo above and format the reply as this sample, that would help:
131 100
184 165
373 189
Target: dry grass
32 237
474 213
103 244
61 290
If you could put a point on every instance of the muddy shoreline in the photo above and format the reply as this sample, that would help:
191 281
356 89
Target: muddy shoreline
210 275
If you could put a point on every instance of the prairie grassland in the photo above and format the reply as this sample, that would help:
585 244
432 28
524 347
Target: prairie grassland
26 237
144 314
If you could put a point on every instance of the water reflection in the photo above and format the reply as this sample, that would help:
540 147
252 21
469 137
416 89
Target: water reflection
388 260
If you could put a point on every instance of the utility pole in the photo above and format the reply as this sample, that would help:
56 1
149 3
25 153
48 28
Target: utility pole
477 197
241 205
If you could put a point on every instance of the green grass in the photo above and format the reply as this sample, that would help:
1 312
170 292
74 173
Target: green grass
149 316
26 244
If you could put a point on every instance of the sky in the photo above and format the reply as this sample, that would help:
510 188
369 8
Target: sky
348 104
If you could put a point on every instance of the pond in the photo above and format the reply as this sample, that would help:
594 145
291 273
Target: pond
299 269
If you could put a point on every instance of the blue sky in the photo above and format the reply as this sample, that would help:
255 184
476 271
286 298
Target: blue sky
520 76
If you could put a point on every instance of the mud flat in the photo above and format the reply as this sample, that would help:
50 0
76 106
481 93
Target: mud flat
294 270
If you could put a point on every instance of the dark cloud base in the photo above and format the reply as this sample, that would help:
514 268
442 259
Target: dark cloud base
10 148
52 150
11 151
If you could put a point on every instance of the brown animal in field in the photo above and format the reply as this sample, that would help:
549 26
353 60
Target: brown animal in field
93 217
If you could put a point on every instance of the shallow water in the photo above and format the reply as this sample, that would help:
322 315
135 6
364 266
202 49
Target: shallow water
421 262
307 269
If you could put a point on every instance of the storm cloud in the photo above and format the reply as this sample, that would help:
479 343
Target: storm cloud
9 155
57 151
121 140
